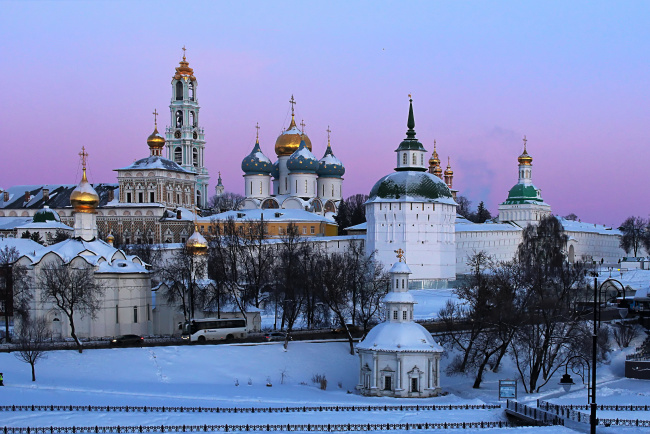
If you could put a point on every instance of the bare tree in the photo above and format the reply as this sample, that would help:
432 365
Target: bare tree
634 234
179 273
14 287
373 285
73 291
351 212
228 201
32 342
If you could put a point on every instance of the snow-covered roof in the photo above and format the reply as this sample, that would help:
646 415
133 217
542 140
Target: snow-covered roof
411 186
24 246
95 252
59 195
399 297
467 226
45 225
154 162
578 226
275 215
400 267
360 227
11 223
399 337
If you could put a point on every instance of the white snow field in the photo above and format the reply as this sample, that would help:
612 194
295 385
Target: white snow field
205 376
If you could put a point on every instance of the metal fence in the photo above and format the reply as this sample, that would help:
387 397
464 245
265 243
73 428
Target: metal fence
572 412
344 427
303 409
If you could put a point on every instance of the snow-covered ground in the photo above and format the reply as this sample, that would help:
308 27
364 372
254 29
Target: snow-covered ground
206 376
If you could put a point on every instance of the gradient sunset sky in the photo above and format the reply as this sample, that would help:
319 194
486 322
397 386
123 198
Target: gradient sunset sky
574 77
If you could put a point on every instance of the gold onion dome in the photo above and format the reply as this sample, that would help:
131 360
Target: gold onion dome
84 198
184 69
524 158
434 160
289 141
155 140
449 171
196 243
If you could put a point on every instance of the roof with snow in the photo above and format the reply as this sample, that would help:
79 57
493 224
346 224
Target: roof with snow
155 162
524 193
302 160
408 337
578 226
98 253
256 163
400 267
11 223
59 195
411 186
268 215
329 165
24 246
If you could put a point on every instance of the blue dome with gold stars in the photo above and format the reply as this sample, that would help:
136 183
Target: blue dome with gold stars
302 160
329 166
256 163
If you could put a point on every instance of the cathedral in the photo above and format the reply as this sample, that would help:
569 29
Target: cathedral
297 179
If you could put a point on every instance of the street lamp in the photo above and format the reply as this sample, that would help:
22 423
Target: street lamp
566 382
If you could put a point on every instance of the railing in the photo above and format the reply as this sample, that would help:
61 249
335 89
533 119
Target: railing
572 412
344 427
537 414
303 409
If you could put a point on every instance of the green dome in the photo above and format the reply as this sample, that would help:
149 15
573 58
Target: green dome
524 193
411 186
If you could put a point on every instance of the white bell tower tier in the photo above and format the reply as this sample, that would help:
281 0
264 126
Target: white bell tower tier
185 138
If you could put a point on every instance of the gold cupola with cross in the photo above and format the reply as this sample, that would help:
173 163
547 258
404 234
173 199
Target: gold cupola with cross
84 198
289 141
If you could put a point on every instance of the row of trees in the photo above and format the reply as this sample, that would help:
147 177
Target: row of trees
299 280
525 307
480 215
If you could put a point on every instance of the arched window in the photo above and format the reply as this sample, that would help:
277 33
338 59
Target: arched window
178 155
195 157
415 159
179 91
191 87
306 186
179 119
192 119
404 158
421 159
198 198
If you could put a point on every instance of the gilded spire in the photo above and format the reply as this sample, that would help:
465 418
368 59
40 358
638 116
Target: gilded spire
84 198
328 136
155 141
400 253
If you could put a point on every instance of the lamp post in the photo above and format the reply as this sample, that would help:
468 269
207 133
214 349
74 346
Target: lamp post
566 380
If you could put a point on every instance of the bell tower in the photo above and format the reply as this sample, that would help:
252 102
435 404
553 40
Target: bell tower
185 139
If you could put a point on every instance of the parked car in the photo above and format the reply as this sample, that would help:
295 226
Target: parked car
275 336
127 341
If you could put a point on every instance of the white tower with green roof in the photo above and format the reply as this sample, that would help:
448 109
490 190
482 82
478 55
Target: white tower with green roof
413 210
524 204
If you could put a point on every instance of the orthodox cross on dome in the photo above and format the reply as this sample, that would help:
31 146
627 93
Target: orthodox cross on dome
257 127
292 102
400 255
84 155
328 135
302 124
525 143
184 49
155 117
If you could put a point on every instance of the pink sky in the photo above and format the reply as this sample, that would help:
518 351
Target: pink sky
572 76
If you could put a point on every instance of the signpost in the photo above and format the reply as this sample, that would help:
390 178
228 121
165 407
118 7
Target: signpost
507 389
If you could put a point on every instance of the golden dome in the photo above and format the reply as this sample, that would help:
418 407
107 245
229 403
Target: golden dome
84 198
434 161
449 172
289 141
155 140
184 69
524 158
196 243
